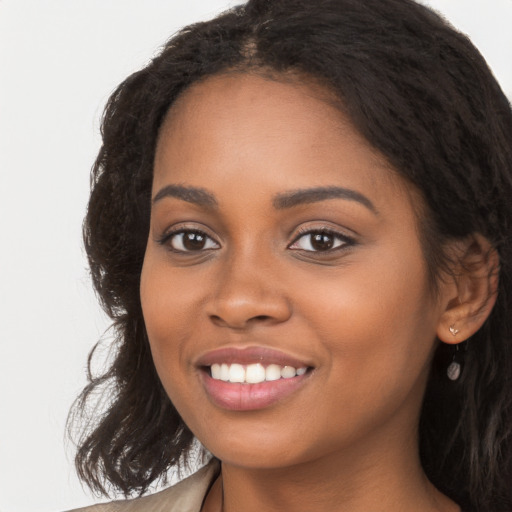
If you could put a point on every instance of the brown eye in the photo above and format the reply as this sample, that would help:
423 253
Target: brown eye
321 241
190 241
193 241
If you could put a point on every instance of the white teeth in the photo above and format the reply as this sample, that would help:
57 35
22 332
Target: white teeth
236 373
287 372
224 372
253 373
273 372
216 371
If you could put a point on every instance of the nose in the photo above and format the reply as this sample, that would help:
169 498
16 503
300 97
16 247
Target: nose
248 294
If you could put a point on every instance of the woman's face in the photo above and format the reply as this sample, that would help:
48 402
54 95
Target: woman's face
284 257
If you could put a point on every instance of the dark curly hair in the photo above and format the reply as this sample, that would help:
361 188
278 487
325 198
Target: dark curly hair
423 96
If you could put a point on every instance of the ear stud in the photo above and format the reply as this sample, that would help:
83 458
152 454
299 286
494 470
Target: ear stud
453 330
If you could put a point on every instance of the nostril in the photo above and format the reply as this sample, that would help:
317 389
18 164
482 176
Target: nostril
239 322
260 318
241 311
216 319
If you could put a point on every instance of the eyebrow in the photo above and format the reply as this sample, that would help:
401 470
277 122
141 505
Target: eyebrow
202 197
194 195
315 195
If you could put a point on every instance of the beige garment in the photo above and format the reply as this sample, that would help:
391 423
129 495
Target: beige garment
186 496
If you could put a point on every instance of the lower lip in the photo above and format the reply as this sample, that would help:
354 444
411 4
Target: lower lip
249 397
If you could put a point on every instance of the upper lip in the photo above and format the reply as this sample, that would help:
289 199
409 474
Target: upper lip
250 355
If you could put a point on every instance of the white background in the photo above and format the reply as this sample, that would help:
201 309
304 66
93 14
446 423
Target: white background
59 61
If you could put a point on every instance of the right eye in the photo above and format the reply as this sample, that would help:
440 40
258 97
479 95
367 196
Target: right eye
189 240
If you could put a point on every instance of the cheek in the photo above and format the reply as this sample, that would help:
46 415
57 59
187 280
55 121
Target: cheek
170 314
170 297
375 320
164 306
376 336
172 302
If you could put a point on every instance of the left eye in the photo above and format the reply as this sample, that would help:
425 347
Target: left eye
320 241
188 241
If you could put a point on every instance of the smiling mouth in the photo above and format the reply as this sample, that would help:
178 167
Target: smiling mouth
253 373
247 387
251 378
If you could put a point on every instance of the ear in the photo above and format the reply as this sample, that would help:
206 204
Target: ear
471 290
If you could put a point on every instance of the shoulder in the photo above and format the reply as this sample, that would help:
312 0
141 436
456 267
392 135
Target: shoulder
185 496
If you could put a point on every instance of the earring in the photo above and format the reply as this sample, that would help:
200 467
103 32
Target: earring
454 369
453 330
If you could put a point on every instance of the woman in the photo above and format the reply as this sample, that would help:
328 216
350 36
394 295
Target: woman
300 225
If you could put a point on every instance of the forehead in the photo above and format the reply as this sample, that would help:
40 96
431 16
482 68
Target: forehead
233 92
288 133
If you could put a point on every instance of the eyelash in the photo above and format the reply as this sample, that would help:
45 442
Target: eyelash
346 241
168 238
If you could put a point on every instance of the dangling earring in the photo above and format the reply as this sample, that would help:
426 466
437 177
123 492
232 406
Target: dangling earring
455 367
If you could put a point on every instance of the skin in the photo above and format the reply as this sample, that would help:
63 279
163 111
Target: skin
362 315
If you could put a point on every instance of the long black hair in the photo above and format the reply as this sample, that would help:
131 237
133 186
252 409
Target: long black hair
422 95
